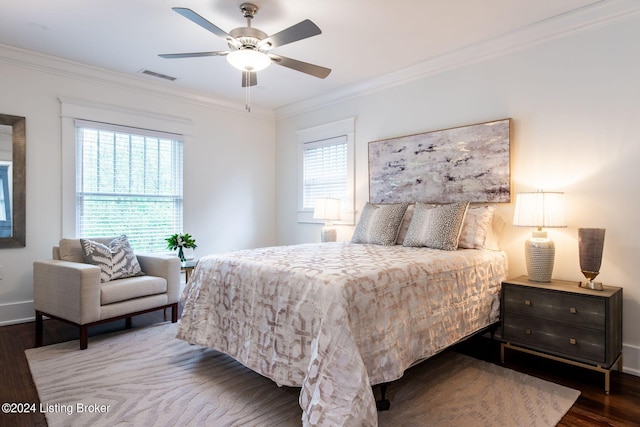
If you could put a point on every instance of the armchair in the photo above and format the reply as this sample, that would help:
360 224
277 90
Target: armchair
68 289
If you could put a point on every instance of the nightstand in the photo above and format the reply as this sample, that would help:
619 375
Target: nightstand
188 267
561 321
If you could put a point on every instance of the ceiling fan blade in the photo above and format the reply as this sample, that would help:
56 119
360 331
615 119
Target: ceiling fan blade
192 54
197 19
304 67
250 77
299 31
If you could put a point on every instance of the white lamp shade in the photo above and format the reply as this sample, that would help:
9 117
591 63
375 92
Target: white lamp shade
540 209
327 209
248 60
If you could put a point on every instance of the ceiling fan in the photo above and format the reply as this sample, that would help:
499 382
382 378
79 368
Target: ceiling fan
250 48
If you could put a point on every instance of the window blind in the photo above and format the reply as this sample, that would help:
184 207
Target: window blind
325 170
128 181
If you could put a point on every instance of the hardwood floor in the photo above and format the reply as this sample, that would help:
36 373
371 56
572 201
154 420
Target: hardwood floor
593 407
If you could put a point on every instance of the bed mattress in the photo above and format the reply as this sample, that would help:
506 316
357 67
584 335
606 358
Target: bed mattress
337 318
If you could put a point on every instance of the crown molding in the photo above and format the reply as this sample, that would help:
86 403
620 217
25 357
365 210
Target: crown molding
586 17
70 69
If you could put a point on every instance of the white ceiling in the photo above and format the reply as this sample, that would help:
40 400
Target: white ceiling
361 40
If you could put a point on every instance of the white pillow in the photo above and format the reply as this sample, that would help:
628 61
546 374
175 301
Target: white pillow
477 230
404 225
436 227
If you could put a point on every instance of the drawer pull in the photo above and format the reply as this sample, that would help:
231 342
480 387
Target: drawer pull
527 302
572 341
572 310
527 331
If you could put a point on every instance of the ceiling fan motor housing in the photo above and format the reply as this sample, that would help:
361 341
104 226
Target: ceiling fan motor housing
248 10
248 36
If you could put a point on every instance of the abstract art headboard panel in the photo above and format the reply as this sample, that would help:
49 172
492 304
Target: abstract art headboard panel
468 163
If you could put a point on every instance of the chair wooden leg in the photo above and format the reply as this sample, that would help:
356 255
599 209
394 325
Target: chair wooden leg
84 337
38 329
174 312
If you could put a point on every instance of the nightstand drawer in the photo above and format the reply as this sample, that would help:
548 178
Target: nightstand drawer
558 306
559 338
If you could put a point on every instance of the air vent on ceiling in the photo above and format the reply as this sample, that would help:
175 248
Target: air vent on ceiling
159 75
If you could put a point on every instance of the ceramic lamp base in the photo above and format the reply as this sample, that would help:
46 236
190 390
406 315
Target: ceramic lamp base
329 234
540 254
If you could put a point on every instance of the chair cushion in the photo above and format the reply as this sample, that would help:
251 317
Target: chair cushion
71 250
130 288
116 259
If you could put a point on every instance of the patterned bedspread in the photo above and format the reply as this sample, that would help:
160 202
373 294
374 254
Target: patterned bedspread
337 318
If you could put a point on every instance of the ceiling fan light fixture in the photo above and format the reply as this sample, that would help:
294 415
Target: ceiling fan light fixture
248 60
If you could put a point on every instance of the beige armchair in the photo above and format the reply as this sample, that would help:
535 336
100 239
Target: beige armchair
68 289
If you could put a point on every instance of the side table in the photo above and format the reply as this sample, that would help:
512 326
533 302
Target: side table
188 267
563 322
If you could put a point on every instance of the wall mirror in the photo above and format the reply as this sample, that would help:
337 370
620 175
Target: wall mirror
13 143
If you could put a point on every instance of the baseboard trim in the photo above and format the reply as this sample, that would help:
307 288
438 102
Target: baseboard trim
16 312
631 359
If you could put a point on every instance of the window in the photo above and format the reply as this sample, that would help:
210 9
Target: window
325 171
5 202
326 157
128 181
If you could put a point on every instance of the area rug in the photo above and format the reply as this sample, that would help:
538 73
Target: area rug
146 377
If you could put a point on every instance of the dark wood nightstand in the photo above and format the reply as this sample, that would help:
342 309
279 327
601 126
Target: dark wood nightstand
561 321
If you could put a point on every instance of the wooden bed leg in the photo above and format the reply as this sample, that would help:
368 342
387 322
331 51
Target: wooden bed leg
383 404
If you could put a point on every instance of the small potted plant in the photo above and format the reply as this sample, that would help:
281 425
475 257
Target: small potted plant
180 242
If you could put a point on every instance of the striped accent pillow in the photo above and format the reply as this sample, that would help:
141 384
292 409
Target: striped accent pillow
379 224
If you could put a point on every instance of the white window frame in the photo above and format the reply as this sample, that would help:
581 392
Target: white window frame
99 186
343 128
72 109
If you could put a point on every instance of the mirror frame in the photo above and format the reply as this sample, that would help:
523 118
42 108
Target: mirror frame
19 142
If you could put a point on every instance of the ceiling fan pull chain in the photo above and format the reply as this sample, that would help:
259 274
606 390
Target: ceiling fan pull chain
247 101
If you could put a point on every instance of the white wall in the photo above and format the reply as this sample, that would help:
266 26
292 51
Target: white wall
229 162
575 104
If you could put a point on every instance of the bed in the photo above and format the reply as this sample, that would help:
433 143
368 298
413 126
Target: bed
338 318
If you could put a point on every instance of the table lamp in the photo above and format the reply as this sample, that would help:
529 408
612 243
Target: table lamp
539 209
327 209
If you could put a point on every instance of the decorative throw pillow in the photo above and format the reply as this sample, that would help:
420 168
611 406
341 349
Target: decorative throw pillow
116 260
477 228
436 227
379 224
362 228
404 225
